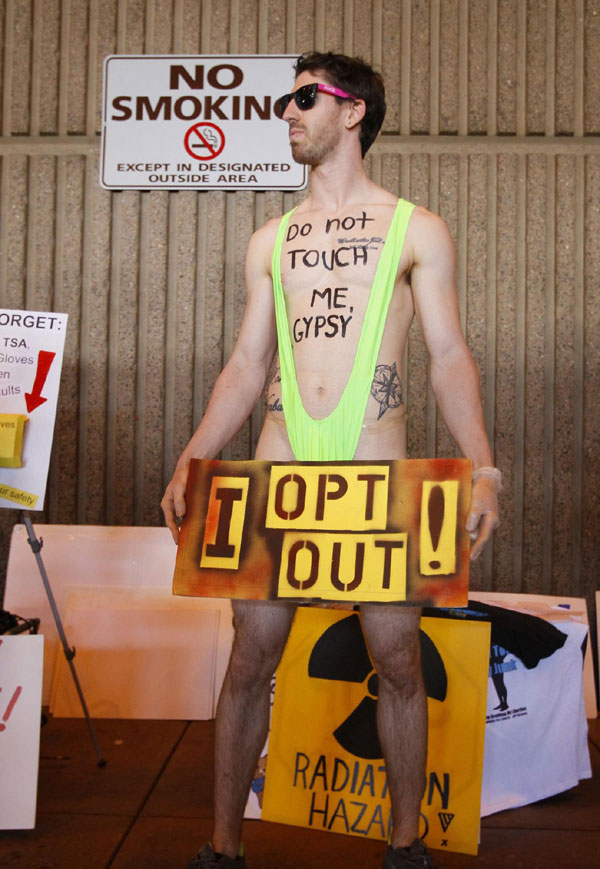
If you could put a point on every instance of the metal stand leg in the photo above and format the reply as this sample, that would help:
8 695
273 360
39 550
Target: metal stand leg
36 546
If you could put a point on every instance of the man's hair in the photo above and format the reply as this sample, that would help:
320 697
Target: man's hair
353 75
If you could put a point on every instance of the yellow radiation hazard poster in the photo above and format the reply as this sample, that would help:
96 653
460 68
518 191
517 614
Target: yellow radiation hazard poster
325 766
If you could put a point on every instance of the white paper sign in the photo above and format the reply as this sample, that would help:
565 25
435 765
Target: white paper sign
31 351
197 122
21 659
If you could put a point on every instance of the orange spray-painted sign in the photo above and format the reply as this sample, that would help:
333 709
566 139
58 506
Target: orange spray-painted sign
381 531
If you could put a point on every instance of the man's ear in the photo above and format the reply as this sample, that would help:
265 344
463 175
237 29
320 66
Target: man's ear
356 112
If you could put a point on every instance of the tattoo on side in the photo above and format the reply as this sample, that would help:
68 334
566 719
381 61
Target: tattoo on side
273 402
386 388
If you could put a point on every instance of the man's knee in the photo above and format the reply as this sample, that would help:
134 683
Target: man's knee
395 648
399 669
259 640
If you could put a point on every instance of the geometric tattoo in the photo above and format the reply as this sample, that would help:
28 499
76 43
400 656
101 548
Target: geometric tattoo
386 388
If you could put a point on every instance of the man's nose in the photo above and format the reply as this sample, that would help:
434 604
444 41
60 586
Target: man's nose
291 112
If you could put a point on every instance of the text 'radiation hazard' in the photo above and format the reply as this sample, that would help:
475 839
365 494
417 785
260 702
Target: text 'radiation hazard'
333 529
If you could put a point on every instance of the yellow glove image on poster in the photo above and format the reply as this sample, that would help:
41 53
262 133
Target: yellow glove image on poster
11 439
325 767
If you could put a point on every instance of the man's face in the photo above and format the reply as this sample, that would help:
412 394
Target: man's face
314 133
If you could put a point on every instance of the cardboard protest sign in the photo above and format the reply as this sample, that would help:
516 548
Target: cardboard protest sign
325 767
31 350
382 531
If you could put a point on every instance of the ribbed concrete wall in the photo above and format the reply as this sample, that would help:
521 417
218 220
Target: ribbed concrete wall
494 121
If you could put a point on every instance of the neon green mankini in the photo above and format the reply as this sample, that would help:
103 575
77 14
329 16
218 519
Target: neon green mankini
334 438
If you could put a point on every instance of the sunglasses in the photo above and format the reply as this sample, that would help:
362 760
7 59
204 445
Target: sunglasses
305 97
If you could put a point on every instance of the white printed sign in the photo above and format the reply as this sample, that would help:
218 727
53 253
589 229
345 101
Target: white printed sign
197 122
21 659
31 351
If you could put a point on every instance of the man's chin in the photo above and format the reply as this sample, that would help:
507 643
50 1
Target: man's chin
297 154
302 157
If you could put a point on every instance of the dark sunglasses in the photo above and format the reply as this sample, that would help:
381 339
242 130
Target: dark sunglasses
305 97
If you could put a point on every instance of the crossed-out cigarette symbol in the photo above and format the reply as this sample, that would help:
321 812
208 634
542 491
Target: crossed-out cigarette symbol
204 141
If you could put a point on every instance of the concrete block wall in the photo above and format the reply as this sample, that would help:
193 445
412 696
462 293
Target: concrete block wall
493 121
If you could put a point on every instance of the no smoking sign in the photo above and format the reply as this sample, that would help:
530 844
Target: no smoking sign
197 122
204 141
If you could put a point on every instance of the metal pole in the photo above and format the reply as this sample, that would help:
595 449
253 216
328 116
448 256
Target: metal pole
36 546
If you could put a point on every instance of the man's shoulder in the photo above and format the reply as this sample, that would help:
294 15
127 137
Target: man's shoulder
268 230
263 239
429 240
261 246
426 218
426 229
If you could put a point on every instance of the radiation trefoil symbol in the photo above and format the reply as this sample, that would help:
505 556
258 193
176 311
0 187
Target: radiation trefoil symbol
341 654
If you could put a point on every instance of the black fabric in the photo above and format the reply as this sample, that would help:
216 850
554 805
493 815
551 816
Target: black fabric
13 624
528 637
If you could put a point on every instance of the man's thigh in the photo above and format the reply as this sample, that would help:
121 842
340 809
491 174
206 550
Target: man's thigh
262 626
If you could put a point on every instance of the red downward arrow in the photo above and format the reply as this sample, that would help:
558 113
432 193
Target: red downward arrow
34 398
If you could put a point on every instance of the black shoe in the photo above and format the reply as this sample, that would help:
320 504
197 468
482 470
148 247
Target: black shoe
207 859
416 856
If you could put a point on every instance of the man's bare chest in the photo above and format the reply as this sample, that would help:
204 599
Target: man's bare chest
333 251
328 268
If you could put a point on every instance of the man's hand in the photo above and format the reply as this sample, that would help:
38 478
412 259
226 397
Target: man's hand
483 513
173 502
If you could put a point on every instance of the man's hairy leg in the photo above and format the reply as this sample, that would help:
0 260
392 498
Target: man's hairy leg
261 630
392 634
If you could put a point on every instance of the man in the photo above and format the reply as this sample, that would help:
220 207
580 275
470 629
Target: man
309 279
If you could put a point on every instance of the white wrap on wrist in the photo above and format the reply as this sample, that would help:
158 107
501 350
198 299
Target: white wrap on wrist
491 473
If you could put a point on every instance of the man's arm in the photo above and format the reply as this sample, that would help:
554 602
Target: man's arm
454 376
241 381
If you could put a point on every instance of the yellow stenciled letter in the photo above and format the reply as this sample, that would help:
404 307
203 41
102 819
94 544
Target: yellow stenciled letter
438 527
224 522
